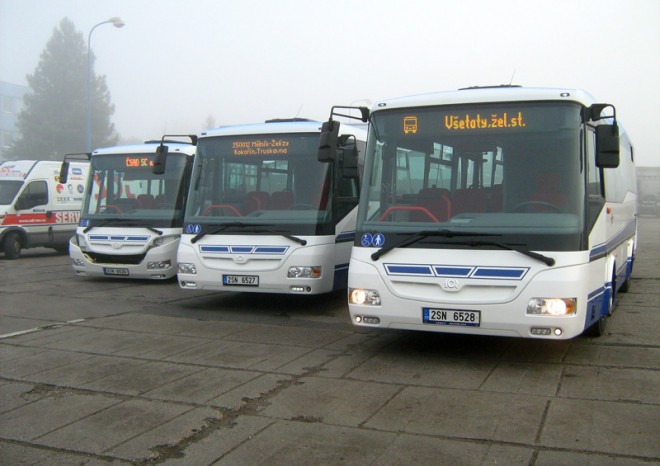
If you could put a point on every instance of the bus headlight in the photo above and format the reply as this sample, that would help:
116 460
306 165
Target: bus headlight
362 296
187 268
552 306
304 272
159 265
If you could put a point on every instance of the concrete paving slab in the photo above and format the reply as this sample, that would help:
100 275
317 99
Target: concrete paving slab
107 429
642 357
604 383
20 454
38 362
425 370
255 389
99 341
524 378
10 324
216 443
142 378
203 386
312 361
162 347
46 335
296 336
603 427
241 355
310 444
9 353
420 450
15 394
62 406
167 439
462 414
80 373
564 458
329 401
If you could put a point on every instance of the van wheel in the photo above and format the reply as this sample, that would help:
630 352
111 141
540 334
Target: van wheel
12 246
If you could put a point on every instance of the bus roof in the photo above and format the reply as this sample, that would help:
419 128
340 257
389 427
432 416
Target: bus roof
487 94
281 126
146 148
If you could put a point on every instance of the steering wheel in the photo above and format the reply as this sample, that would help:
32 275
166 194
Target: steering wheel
112 208
221 208
526 204
421 209
303 207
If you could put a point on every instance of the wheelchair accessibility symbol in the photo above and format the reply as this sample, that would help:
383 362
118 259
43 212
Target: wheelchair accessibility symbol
377 240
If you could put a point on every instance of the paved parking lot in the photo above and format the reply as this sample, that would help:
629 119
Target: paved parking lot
121 372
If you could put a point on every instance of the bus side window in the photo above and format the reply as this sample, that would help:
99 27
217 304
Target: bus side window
595 198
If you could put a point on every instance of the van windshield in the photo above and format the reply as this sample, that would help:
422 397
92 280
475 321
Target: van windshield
8 191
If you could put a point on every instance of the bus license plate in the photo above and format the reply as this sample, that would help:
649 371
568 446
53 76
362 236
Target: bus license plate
451 317
115 271
240 280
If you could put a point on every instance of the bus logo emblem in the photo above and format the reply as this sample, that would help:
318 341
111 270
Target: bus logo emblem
450 284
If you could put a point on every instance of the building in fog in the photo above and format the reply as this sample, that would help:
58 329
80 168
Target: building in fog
11 102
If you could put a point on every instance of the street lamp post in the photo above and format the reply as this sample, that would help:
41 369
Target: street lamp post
118 23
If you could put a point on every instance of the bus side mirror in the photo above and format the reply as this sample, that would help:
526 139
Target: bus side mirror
64 172
607 146
328 141
160 160
349 157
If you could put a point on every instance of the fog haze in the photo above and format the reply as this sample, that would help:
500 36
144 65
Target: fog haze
176 64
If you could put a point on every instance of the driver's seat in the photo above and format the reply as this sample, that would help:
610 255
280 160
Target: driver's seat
548 190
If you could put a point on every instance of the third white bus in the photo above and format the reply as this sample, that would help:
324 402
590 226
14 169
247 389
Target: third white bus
503 211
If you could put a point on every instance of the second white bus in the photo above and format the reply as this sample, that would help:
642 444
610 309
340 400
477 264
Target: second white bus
265 215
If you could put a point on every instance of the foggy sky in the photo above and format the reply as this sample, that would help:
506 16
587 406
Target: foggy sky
177 63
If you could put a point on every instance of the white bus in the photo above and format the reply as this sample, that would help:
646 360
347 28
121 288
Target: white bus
494 211
265 215
132 216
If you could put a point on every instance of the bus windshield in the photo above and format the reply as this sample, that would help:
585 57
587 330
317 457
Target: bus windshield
514 170
124 191
272 180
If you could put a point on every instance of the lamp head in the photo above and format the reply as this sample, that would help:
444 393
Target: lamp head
117 22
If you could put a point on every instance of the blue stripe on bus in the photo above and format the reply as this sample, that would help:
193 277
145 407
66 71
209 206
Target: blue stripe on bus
244 249
449 271
408 269
603 250
509 273
345 236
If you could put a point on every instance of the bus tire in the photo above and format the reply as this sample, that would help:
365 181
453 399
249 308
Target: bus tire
12 245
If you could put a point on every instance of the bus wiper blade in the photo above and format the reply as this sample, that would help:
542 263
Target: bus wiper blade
223 227
549 261
285 235
158 232
103 223
423 234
